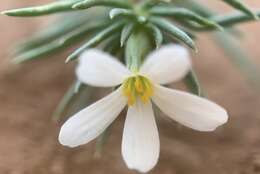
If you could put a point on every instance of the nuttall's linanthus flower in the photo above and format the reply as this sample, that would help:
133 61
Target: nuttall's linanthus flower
140 144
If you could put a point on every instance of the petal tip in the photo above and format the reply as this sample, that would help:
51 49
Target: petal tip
140 168
224 118
64 139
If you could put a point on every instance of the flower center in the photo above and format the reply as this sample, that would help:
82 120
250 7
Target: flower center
137 86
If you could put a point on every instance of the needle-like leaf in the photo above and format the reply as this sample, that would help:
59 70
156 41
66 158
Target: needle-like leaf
38 52
126 32
238 4
174 31
64 102
54 7
59 43
101 141
233 18
112 48
239 57
81 31
193 83
195 6
52 32
110 3
227 20
72 101
120 12
157 34
96 39
224 20
184 14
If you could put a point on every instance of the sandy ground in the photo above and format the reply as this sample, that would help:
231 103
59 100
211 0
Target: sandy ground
30 92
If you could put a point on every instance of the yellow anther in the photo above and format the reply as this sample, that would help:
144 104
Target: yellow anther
126 87
137 86
145 98
148 87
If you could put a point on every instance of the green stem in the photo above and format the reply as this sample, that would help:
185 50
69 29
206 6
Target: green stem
138 46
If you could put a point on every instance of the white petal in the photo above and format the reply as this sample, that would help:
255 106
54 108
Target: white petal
92 121
140 145
168 64
190 110
97 68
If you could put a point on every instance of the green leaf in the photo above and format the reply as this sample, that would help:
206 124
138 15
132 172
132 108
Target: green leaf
97 39
38 52
76 98
120 12
146 4
101 141
54 7
232 18
80 32
223 20
190 33
195 6
110 3
174 31
58 43
126 32
64 102
112 48
52 32
228 20
183 14
206 12
238 4
239 58
78 85
61 26
192 82
157 35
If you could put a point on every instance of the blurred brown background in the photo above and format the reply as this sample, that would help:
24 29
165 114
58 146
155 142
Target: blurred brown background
30 92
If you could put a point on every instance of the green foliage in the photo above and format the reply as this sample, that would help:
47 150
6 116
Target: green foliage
182 13
59 6
76 98
126 32
102 35
239 57
192 82
238 4
131 29
157 35
174 31
146 14
110 3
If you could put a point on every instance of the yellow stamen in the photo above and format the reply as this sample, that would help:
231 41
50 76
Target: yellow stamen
137 86
149 88
127 88
144 98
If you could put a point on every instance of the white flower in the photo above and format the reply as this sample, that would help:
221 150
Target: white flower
140 144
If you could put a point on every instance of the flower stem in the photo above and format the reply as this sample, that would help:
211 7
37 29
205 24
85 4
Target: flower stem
138 46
